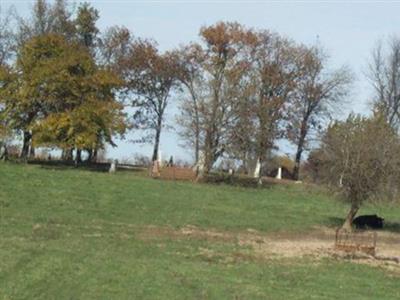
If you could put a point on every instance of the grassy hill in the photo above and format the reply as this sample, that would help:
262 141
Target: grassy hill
74 234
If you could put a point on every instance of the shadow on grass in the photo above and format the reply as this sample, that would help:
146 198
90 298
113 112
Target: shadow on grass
237 180
335 222
67 165
392 226
93 167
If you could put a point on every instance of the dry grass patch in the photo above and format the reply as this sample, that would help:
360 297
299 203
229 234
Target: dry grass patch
316 244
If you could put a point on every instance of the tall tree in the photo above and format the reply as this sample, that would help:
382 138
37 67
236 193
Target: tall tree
6 39
115 45
275 71
151 77
242 141
86 28
44 19
225 64
191 77
39 22
318 94
63 22
62 96
385 78
6 78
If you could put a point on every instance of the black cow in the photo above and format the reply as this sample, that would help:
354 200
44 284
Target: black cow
368 221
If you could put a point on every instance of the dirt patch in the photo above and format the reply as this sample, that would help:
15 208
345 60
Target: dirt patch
317 244
187 232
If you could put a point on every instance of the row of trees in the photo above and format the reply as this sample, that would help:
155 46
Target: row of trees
65 84
246 89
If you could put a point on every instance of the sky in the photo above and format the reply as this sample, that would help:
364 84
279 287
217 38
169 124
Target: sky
348 31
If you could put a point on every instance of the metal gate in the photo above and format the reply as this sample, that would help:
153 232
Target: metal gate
358 240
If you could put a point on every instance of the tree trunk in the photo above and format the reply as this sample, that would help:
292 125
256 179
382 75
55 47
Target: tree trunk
350 216
63 154
197 146
157 139
31 151
90 154
25 145
300 148
78 156
297 162
259 182
208 161
244 165
208 150
67 154
196 125
94 155
3 153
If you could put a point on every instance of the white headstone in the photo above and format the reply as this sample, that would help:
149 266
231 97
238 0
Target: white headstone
199 166
257 169
279 175
3 152
113 166
159 158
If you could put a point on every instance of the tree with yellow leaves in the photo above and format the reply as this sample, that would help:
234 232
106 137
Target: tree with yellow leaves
62 99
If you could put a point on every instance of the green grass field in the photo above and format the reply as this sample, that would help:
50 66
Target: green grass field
74 234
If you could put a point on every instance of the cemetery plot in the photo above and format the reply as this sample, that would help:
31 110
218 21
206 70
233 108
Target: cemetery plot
174 173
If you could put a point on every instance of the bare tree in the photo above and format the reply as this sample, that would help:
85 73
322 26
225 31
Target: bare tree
318 94
384 75
151 77
358 156
191 77
39 22
6 39
115 45
226 45
242 141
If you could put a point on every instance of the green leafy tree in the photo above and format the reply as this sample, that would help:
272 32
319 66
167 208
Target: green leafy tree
60 96
360 156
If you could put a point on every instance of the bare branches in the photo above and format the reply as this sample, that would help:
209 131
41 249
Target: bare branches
151 77
360 156
384 74
317 94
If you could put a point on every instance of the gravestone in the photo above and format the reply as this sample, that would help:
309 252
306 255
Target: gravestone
113 167
279 174
257 169
199 166
171 161
159 158
3 152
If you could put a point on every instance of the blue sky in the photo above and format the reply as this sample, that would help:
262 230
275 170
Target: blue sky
348 31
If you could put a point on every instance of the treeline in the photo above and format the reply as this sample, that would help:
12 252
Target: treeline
66 85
